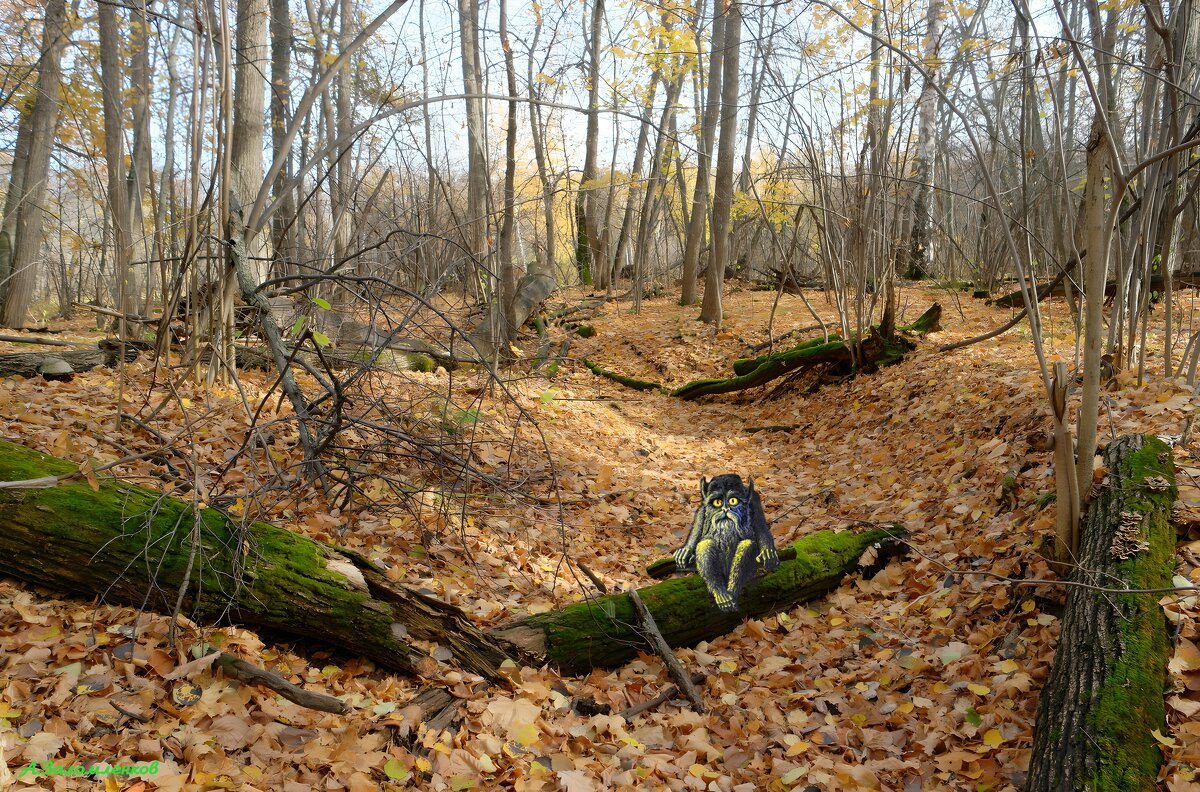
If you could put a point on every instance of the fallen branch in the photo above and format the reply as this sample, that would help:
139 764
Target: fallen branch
131 545
245 672
628 382
875 351
37 341
660 647
668 693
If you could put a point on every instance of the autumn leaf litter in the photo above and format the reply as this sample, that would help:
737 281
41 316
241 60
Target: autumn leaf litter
915 679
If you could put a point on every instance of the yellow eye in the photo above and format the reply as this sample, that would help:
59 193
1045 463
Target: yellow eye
733 501
717 503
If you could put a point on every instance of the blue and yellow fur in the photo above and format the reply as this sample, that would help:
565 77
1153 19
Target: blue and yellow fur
728 540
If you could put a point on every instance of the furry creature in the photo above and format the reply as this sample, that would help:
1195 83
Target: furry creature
728 540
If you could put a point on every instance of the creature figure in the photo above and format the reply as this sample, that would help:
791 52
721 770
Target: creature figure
728 540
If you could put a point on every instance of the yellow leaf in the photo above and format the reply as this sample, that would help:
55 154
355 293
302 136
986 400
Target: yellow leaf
1009 667
798 748
525 733
1167 741
423 764
979 690
993 738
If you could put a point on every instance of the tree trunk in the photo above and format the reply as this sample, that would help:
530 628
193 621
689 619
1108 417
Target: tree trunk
918 253
27 182
708 126
1104 695
477 176
506 327
251 65
48 364
112 88
711 310
589 246
281 100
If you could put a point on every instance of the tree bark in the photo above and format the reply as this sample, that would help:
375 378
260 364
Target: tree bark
710 310
23 212
1104 695
708 126
589 245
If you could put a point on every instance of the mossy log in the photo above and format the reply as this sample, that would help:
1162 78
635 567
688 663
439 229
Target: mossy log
1104 695
833 351
628 382
137 547
50 364
602 632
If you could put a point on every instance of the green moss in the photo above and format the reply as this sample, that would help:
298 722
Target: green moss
1131 702
743 366
774 366
585 331
130 536
601 632
628 382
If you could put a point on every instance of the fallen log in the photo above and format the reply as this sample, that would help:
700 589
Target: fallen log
1057 289
390 360
138 547
134 546
876 350
1104 696
65 364
628 382
601 632
54 342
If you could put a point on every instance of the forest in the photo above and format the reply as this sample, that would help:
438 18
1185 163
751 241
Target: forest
599 394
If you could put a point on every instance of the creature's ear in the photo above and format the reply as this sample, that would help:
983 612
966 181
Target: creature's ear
750 486
703 485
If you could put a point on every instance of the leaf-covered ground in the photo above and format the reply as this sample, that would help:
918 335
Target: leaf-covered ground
917 679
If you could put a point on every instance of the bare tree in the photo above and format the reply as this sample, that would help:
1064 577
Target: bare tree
711 310
23 208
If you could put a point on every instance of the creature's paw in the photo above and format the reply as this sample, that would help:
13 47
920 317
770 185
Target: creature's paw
769 558
683 559
725 603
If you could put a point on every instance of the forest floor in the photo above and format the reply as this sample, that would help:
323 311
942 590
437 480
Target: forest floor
914 680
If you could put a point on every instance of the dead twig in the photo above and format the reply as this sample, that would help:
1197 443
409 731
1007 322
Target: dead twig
682 679
669 693
245 672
